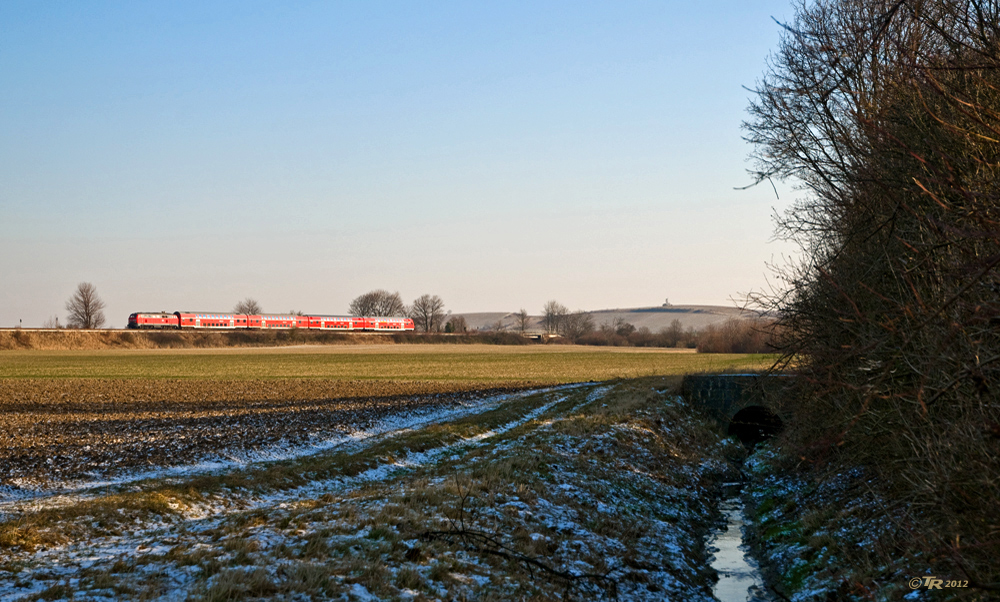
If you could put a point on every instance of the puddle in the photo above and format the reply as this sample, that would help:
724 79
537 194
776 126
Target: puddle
739 577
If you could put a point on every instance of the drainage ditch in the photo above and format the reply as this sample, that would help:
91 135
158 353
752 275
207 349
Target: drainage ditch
740 579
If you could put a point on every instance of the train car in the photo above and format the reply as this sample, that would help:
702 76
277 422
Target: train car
212 321
225 321
331 322
391 324
359 323
160 319
282 321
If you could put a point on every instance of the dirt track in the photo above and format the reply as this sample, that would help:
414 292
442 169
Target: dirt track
68 429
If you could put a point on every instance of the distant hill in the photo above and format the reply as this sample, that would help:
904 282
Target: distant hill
654 318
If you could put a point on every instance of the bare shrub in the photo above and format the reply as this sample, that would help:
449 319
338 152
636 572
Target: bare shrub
456 324
738 336
622 328
23 339
889 115
500 338
673 335
603 337
575 325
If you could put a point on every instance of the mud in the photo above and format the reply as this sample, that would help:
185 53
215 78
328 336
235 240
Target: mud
62 430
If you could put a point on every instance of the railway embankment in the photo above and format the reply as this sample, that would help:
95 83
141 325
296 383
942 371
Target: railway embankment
70 339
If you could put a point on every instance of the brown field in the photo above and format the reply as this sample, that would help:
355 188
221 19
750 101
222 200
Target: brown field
99 429
86 415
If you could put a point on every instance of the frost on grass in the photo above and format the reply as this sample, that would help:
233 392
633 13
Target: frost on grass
583 492
832 539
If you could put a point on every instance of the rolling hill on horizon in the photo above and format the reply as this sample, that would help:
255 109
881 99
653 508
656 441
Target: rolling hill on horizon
654 318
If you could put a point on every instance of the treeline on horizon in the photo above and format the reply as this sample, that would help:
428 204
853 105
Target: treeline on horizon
731 336
734 335
561 326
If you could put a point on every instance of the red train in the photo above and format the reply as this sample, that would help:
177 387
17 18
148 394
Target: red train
211 321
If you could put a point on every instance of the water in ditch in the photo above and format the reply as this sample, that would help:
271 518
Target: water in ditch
739 577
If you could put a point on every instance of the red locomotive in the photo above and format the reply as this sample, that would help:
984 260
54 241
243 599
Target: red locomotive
210 321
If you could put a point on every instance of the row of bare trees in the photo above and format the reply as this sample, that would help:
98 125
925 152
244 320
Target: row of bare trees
426 311
887 112
731 336
558 319
734 335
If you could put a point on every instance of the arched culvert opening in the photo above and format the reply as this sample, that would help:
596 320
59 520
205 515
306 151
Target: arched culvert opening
754 424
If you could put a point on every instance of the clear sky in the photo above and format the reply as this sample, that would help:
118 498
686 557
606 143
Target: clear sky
185 155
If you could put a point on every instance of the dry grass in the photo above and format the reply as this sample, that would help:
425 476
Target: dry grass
171 339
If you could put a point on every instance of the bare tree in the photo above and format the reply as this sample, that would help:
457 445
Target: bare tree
427 313
523 320
52 322
622 327
85 307
575 325
378 303
248 306
552 315
456 324
673 334
617 331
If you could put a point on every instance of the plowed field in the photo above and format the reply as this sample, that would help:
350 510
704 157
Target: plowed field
59 431
71 416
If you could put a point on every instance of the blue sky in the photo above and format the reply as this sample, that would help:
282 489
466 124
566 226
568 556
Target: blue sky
185 155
